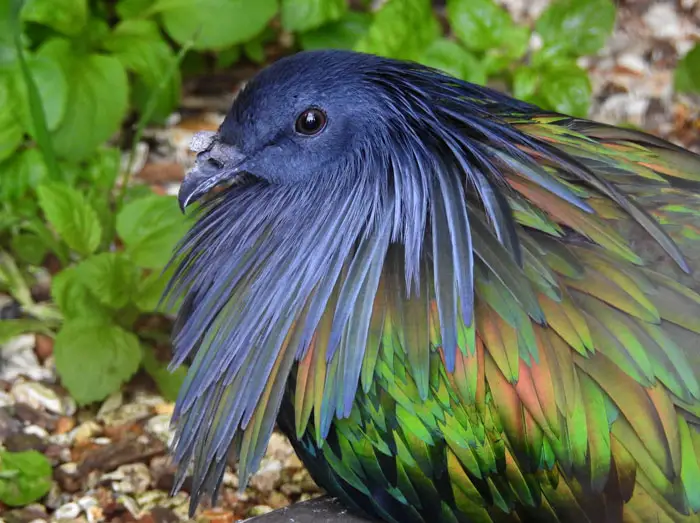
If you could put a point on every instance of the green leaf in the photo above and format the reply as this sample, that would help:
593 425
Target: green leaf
12 328
687 78
567 90
23 171
140 48
74 298
71 215
25 477
97 97
452 58
94 358
401 29
29 248
169 383
65 16
151 289
150 228
228 57
525 82
127 9
302 15
11 129
110 276
215 24
576 27
103 169
255 51
52 88
343 34
482 25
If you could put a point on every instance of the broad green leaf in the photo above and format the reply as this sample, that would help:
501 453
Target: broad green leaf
74 298
576 27
214 24
94 358
482 25
302 15
25 477
29 248
97 97
228 57
452 58
150 290
169 383
71 215
110 276
141 49
11 130
525 82
103 169
127 9
687 77
401 29
53 90
65 16
567 90
23 171
12 328
150 228
342 34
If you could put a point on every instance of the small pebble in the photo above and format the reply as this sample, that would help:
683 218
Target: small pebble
127 413
67 511
259 510
92 509
19 359
64 425
159 426
111 404
36 430
133 478
86 431
216 515
37 396
143 397
662 20
6 400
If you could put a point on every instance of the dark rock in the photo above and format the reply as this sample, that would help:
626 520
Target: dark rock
320 510
163 515
131 449
22 442
33 416
8 424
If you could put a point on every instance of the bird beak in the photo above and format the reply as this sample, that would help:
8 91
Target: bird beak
216 163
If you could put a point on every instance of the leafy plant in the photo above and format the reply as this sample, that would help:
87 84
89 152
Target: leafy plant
24 477
687 78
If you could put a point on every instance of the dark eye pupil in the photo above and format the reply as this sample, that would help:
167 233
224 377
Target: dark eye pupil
311 121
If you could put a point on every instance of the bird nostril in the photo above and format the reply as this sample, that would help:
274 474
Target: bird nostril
214 162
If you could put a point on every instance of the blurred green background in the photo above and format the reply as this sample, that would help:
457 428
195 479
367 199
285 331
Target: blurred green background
82 249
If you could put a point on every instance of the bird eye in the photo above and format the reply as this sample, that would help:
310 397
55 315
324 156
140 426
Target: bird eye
310 122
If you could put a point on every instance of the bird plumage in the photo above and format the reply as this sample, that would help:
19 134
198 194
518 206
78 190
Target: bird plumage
458 306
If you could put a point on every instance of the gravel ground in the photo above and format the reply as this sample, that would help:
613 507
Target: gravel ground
110 460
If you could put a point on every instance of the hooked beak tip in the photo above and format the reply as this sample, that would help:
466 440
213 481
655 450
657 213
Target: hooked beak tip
208 172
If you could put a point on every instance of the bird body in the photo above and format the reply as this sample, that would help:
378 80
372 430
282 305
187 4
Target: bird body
458 306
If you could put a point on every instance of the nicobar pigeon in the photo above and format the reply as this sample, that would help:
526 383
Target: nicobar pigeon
458 306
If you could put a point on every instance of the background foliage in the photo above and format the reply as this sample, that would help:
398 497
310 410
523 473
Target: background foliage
79 81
